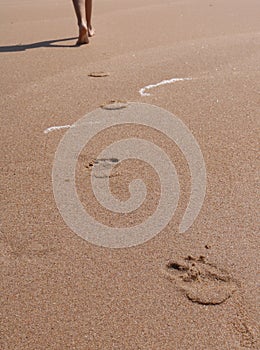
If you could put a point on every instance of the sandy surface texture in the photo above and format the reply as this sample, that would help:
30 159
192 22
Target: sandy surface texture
194 290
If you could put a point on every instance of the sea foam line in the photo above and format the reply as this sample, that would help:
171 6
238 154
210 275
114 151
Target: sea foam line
143 92
54 128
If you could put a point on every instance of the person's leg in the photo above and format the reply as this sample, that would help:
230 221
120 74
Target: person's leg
88 4
80 10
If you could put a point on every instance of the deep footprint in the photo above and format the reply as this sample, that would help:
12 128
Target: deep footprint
202 282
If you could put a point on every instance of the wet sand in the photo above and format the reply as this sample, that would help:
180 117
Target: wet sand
196 290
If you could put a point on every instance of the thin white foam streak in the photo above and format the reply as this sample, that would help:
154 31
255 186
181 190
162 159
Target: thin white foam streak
60 127
55 128
143 92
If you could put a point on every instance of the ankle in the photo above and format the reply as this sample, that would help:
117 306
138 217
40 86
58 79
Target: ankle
82 25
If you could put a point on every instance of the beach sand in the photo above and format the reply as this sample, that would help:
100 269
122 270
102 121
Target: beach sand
192 290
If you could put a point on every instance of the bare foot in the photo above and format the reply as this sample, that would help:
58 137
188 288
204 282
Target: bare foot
83 36
91 31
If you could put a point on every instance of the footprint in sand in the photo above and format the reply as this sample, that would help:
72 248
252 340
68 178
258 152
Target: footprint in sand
103 167
98 74
202 282
206 284
114 105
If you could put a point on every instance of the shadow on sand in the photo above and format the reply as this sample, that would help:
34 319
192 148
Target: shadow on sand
48 43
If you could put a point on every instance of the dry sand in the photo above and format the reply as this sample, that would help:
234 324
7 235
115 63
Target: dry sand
196 290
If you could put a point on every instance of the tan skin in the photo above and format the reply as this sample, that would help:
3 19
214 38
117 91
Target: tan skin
83 9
